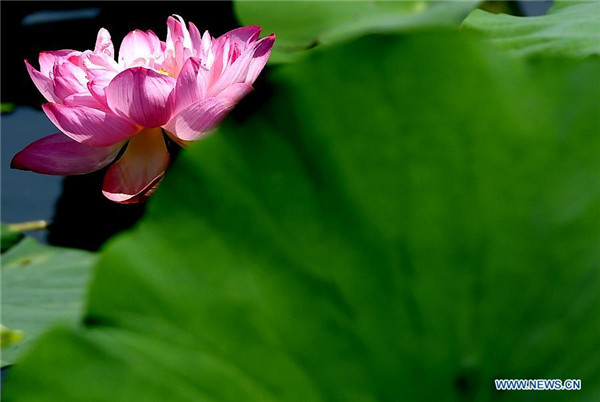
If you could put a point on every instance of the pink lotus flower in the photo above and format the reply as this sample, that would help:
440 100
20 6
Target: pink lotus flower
184 86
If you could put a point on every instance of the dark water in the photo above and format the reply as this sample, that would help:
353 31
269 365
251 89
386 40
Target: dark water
535 8
26 196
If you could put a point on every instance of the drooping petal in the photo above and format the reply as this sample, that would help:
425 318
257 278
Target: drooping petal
199 119
48 58
42 83
58 154
90 126
141 95
137 173
139 45
262 51
104 44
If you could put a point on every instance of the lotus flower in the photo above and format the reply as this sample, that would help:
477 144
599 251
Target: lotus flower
185 86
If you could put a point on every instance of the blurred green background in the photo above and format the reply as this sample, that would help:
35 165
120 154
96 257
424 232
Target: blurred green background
407 209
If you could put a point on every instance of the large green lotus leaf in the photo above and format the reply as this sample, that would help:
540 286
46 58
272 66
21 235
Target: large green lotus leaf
570 28
406 229
41 286
302 25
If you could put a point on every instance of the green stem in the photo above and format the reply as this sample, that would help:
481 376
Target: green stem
25 226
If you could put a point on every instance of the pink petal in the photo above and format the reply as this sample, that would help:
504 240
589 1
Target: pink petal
137 173
205 51
68 79
232 74
220 50
246 67
57 154
47 59
90 126
139 44
97 86
244 35
42 83
99 63
191 85
177 32
200 118
104 44
196 39
262 51
141 95
236 92
167 63
180 52
85 99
